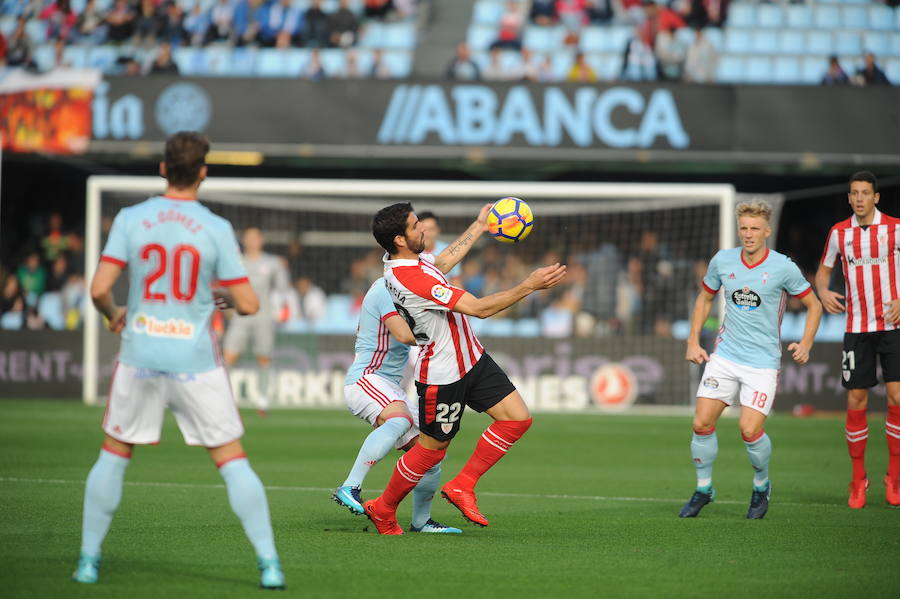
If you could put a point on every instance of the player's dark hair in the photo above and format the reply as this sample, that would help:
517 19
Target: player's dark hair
390 222
185 156
429 214
864 176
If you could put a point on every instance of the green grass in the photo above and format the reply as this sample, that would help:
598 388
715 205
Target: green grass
584 506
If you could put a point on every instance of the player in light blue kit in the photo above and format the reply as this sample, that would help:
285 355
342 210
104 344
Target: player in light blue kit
174 249
747 357
374 389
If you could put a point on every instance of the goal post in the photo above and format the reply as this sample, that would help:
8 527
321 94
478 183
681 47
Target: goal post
330 219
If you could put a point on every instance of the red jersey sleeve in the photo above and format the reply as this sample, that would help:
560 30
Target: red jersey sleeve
427 287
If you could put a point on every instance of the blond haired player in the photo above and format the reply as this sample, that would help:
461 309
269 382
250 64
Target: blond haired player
745 363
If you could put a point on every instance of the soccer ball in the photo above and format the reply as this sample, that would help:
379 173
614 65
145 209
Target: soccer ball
510 220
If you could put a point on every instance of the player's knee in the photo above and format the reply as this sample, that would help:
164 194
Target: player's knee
858 399
703 426
893 395
751 431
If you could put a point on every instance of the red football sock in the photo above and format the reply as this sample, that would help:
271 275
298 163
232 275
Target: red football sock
892 430
857 435
493 445
410 469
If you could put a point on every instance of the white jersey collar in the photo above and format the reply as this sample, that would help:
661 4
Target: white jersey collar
876 220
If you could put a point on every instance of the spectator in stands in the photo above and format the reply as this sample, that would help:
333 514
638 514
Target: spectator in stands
127 65
19 48
246 26
73 299
543 12
835 74
2 50
344 26
90 25
316 29
494 71
377 9
657 18
311 302
601 11
379 68
404 9
299 263
670 55
75 252
120 22
528 69
572 14
314 70
196 24
163 63
146 24
638 62
221 17
171 24
12 304
701 60
59 273
511 21
32 277
581 71
545 70
60 19
599 296
462 67
54 242
351 66
18 8
59 58
558 319
281 25
716 12
870 74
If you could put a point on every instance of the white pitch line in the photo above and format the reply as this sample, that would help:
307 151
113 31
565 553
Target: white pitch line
56 481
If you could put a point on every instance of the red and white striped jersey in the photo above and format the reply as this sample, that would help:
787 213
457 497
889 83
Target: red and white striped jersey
448 348
869 258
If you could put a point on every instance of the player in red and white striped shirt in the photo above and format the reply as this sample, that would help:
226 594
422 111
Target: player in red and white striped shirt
867 244
452 371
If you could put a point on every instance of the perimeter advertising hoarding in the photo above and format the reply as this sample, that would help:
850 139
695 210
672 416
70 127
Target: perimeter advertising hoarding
369 118
553 375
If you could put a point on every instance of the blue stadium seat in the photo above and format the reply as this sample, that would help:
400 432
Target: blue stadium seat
819 42
854 17
333 61
897 19
12 321
742 15
730 69
604 39
373 35
216 60
832 327
827 17
737 41
770 15
37 30
881 17
685 35
715 37
102 57
399 63
813 69
758 70
43 56
399 36
487 12
847 42
50 308
7 24
76 56
562 61
894 43
607 66
792 42
527 327
480 37
875 41
543 39
892 70
189 61
764 41
799 16
786 70
500 327
243 62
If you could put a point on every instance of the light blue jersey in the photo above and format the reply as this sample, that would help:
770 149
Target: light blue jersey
174 250
755 297
377 352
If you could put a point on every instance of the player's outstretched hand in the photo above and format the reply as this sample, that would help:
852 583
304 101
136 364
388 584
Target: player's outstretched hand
832 301
482 216
801 352
117 323
546 277
696 354
892 314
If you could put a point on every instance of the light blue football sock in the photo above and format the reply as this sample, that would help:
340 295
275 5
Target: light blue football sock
704 449
760 452
248 500
376 446
102 493
423 494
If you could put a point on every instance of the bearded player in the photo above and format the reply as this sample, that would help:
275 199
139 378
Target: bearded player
747 358
174 249
452 369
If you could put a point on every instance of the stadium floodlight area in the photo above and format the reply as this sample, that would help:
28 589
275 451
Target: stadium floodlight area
635 253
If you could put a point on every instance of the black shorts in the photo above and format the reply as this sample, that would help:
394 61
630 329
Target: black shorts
858 358
441 406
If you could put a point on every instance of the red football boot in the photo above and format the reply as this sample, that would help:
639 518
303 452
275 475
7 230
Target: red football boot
385 522
858 490
892 489
464 500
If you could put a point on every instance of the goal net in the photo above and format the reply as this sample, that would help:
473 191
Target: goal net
611 335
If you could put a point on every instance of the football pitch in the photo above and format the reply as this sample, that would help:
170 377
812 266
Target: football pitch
583 506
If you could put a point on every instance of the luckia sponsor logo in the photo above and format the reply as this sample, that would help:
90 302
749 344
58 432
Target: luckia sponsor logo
172 328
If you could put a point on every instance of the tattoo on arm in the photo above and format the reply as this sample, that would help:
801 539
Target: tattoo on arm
460 244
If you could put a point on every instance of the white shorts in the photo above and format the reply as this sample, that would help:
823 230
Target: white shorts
201 402
722 379
260 329
371 394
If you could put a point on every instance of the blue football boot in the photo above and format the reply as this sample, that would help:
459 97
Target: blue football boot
759 502
696 503
432 526
350 498
88 570
270 575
